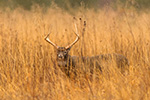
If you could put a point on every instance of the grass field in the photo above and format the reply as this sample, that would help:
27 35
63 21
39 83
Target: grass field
28 68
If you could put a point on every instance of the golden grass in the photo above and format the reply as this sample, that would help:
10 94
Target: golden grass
27 62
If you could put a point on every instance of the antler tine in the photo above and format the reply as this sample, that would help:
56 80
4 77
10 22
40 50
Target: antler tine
75 39
49 41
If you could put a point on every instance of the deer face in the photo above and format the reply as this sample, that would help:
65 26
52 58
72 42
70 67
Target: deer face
62 53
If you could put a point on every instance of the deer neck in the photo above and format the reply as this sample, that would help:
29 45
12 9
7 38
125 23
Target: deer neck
64 64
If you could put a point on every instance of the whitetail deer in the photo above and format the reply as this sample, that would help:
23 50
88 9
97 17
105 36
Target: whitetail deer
67 62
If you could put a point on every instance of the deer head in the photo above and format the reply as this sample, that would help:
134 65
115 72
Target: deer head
62 52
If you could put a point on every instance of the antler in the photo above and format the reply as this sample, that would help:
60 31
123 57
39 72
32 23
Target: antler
48 40
75 39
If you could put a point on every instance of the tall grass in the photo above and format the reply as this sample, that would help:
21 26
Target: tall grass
28 69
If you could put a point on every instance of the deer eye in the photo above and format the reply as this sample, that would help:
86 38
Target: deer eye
65 52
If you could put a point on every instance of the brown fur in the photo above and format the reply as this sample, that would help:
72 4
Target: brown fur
70 64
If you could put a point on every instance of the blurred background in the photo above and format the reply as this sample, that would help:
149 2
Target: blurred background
69 5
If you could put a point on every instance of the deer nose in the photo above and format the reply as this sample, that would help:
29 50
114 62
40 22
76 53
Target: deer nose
60 56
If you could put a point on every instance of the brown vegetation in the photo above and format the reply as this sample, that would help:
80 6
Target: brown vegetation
28 69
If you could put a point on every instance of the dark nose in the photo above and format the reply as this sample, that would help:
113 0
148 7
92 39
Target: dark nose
59 56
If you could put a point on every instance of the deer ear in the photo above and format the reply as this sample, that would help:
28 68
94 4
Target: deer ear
68 49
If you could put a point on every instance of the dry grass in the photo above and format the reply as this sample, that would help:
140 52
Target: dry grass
27 62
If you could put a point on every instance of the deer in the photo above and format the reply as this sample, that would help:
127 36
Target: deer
69 63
